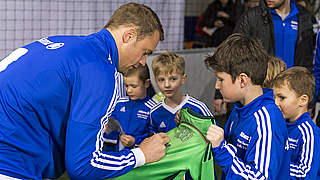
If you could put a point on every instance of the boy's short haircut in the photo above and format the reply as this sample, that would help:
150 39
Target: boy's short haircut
298 79
240 54
138 15
168 63
275 66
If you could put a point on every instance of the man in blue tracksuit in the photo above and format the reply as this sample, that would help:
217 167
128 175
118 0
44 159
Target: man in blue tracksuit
285 33
57 93
284 28
254 143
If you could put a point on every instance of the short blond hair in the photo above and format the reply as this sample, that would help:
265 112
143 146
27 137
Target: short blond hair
168 63
275 66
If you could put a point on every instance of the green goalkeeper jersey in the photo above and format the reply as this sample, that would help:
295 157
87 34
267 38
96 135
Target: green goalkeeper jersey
188 150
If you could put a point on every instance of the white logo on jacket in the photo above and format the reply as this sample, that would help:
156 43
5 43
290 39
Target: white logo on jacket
293 143
162 125
143 114
55 45
243 141
294 25
123 109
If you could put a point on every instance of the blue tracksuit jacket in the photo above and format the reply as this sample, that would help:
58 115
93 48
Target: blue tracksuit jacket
255 142
56 95
285 34
162 116
304 143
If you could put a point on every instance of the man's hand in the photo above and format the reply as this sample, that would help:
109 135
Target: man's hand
127 140
154 147
219 107
215 135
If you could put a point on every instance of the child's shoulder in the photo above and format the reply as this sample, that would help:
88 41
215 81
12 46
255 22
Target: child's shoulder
123 99
307 125
198 105
151 103
194 100
157 107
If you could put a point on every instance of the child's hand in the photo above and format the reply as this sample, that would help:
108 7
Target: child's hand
215 135
127 140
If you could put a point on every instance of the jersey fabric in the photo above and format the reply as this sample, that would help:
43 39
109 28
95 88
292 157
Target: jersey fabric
304 143
285 34
162 115
56 95
186 150
134 118
255 141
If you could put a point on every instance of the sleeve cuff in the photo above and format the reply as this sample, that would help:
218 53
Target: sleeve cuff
140 159
217 149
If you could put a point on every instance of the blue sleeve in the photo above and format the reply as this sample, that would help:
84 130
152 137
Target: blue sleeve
263 158
89 112
307 164
317 67
141 137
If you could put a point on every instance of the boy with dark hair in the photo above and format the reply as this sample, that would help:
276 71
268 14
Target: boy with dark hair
293 92
254 141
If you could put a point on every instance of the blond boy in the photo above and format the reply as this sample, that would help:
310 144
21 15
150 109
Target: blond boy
169 71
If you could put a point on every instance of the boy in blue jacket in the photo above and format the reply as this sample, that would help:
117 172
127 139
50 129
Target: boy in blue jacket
132 111
293 92
169 72
254 142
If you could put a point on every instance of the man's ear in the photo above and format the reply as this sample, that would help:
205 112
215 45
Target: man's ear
129 35
244 79
303 100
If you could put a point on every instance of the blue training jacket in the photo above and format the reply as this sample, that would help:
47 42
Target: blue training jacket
255 145
56 95
285 34
162 115
304 143
134 118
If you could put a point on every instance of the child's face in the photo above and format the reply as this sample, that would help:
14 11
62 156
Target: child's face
136 88
230 91
170 84
288 102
